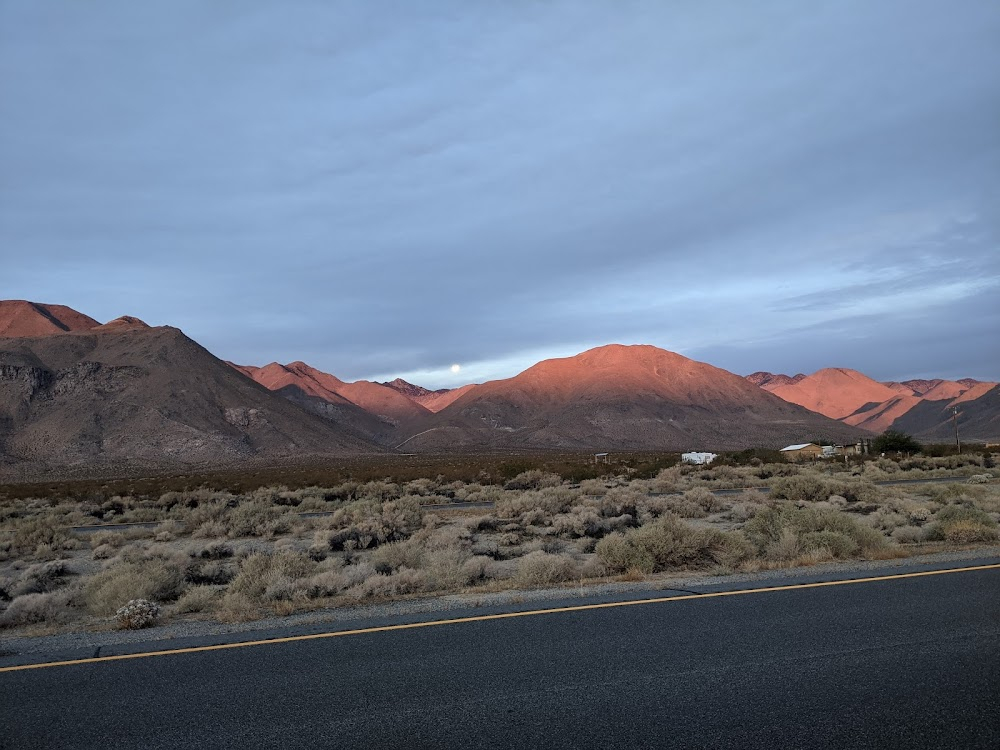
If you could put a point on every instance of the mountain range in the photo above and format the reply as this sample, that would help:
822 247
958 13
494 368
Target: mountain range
923 408
126 396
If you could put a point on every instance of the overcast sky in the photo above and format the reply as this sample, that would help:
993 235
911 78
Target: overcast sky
386 189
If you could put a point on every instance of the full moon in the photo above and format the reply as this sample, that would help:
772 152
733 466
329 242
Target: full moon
456 368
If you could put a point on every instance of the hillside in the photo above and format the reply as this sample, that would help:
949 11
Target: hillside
370 409
769 380
439 401
144 398
834 392
411 391
919 407
21 318
620 398
433 401
978 419
307 379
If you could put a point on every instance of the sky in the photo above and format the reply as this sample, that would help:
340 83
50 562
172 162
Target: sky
392 188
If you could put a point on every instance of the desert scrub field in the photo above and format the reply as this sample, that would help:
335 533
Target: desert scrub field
238 556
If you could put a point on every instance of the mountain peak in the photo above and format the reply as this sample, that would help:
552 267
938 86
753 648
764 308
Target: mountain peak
835 392
410 390
622 398
21 318
124 323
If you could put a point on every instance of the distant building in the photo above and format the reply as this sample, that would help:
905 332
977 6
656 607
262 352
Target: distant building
832 451
698 458
802 451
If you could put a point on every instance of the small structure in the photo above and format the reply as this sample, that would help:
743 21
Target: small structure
601 458
802 452
698 458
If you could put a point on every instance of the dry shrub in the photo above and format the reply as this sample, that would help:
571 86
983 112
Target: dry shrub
706 500
40 534
41 578
488 494
423 487
671 543
787 546
539 568
201 572
593 487
580 522
746 506
256 519
236 608
776 532
887 465
198 599
443 556
908 534
212 551
962 524
967 532
534 479
814 556
685 508
206 519
886 520
538 506
801 488
479 568
167 531
366 524
403 581
137 614
854 490
278 576
113 539
34 609
620 501
389 557
834 543
378 491
510 539
152 578
955 493
331 581
482 523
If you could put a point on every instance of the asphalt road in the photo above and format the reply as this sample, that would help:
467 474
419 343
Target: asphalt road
901 663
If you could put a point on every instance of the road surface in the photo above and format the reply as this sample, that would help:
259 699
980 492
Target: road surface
903 662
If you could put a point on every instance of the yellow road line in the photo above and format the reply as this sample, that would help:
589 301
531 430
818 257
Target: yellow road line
501 616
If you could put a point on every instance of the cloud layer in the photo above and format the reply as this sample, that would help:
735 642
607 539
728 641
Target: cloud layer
387 190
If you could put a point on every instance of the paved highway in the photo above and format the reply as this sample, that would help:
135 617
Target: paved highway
904 662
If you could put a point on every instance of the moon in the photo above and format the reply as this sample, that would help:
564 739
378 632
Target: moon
456 369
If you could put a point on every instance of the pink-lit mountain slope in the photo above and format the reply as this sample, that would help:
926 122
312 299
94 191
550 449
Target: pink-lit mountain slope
621 397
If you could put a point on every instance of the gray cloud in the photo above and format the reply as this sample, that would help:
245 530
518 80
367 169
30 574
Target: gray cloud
385 193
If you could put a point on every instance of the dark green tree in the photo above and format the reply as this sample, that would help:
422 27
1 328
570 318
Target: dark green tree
894 441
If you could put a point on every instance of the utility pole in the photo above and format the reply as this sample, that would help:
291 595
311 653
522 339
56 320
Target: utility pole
954 413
